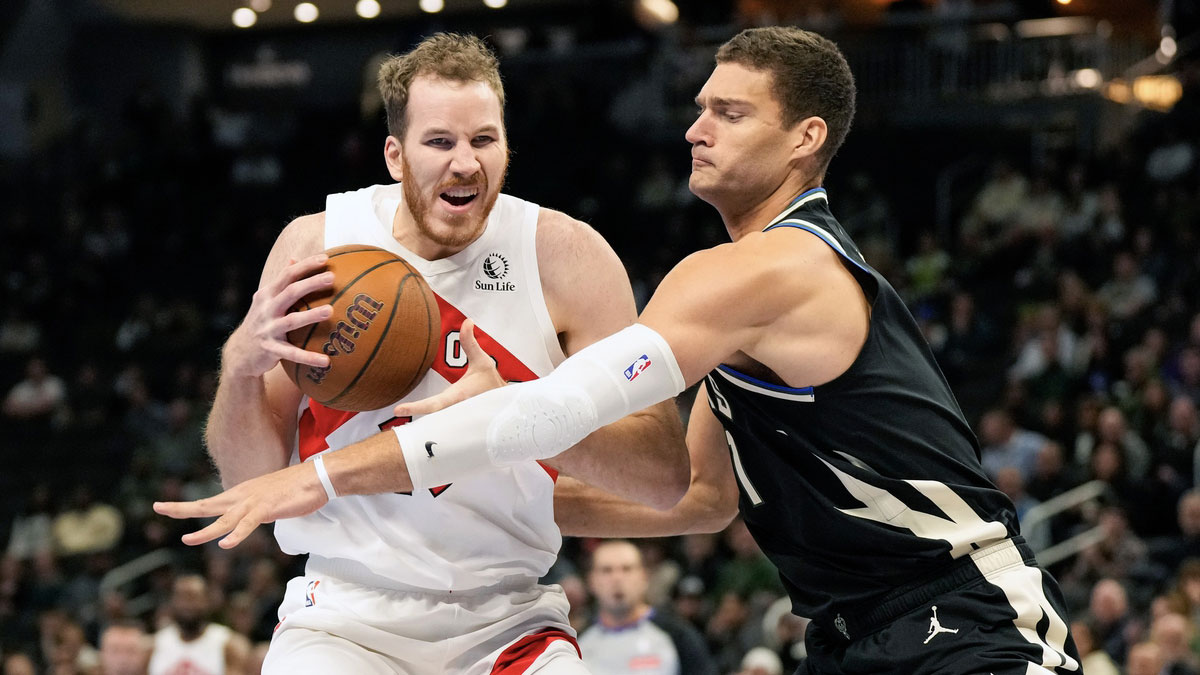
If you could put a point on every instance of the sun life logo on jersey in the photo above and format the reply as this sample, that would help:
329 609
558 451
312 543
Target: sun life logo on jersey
495 268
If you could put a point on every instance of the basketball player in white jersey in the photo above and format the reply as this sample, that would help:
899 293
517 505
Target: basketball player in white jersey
191 645
443 579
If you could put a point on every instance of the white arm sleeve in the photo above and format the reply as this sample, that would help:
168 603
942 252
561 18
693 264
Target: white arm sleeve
621 374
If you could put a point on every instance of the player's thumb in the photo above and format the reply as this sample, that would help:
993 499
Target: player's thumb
472 350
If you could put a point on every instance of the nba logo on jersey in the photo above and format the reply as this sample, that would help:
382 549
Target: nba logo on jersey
310 595
636 368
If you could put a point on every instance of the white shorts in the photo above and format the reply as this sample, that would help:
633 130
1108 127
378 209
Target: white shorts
330 625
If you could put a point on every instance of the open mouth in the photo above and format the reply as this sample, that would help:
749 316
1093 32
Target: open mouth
460 196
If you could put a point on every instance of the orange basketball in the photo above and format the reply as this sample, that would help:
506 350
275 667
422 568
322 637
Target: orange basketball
382 335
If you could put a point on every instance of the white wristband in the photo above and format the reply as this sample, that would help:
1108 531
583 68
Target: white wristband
323 475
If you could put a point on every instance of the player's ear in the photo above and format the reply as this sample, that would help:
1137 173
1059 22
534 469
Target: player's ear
808 137
391 156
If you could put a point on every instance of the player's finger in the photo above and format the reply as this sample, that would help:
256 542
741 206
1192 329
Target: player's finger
293 292
290 352
293 320
239 533
425 405
297 269
214 529
203 508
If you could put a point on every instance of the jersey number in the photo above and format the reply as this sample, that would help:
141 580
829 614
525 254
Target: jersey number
722 406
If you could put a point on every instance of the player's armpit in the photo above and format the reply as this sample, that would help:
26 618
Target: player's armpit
709 505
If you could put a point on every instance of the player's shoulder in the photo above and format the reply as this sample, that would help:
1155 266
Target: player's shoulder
304 236
569 247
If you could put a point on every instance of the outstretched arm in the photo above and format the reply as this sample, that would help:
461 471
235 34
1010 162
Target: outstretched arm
695 320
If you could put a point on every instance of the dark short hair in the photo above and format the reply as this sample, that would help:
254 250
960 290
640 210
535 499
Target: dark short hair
811 77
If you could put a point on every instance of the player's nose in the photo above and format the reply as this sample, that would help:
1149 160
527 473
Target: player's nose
464 161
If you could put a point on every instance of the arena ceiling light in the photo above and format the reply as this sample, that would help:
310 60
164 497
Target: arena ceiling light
432 6
306 12
244 17
367 9
495 4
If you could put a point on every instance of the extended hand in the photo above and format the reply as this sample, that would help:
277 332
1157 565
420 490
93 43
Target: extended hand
261 340
481 376
288 493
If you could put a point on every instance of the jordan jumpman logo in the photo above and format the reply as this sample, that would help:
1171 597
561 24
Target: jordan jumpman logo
935 627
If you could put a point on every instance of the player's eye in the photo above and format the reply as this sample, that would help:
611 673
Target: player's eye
480 141
439 142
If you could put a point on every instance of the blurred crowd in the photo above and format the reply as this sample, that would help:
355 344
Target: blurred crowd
1063 307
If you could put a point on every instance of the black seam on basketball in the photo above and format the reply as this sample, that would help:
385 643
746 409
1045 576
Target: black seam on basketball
313 328
378 343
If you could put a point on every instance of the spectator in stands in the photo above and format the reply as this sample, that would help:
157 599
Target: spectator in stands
1170 551
124 649
1145 658
629 635
191 643
1005 444
1129 292
1111 621
1173 633
761 661
1092 661
1115 555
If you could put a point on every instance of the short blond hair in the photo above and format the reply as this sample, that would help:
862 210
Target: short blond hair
449 56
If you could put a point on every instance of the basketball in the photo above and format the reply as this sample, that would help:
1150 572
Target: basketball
381 337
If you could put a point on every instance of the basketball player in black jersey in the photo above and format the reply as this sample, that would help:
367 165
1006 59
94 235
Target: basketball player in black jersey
823 416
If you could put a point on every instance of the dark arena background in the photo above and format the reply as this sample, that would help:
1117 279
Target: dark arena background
1026 172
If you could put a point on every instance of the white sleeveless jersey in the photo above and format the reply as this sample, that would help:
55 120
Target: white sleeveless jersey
203 656
497 526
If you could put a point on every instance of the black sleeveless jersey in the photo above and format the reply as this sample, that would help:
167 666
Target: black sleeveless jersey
869 482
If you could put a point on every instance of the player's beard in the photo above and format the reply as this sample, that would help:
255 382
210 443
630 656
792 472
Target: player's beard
190 626
466 227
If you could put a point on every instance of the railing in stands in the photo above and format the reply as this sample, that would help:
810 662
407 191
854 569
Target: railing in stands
1073 498
129 572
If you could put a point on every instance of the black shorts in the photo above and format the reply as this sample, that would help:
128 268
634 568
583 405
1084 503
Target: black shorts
992 612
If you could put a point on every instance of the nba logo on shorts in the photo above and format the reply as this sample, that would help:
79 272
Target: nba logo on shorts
637 367
310 596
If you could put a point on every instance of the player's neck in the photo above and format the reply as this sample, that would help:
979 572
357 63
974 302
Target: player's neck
619 619
408 235
753 218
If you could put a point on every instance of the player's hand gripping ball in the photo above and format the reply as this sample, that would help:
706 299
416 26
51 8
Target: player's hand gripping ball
381 337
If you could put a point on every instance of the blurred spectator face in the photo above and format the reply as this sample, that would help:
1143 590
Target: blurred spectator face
1189 366
995 428
454 139
1106 462
1110 426
1182 416
1009 481
618 578
1109 602
1144 659
1049 460
761 661
1083 637
1172 633
189 603
19 664
1189 514
124 650
1124 267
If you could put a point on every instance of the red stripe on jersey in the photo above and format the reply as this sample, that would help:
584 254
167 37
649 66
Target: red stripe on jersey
521 654
316 423
510 367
